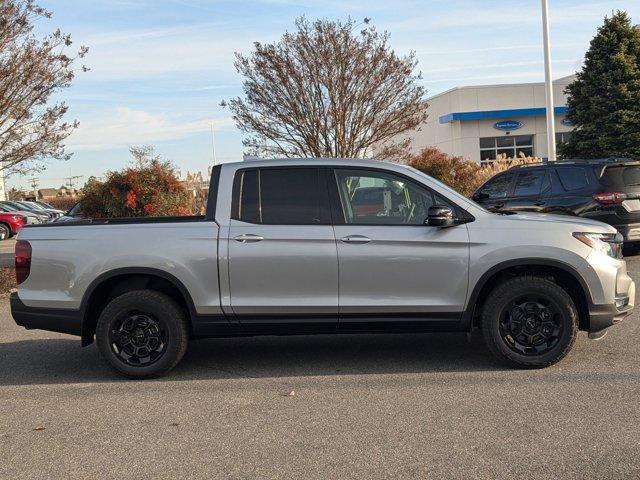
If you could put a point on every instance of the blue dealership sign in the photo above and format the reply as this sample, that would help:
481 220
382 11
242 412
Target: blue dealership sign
566 122
507 125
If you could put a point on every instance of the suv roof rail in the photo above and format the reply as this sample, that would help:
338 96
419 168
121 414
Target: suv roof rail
583 161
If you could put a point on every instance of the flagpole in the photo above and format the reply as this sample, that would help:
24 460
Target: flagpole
548 84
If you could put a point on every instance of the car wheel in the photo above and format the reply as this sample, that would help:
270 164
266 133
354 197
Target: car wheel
142 333
4 232
529 322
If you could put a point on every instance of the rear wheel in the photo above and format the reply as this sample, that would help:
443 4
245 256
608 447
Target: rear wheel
4 232
529 322
142 333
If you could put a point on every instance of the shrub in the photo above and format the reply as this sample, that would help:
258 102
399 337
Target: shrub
462 175
149 188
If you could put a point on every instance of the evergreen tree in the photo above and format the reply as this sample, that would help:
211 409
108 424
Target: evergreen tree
604 100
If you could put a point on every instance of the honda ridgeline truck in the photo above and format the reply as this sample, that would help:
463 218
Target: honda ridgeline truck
322 246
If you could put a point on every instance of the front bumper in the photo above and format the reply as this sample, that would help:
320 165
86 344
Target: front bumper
51 319
602 317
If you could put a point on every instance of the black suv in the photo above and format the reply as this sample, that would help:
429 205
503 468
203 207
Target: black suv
604 190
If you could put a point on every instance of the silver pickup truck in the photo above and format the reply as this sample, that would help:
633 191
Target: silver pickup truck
322 246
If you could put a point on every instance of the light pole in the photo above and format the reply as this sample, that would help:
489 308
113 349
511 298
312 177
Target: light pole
548 84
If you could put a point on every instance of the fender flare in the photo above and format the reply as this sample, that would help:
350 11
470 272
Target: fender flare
467 317
103 277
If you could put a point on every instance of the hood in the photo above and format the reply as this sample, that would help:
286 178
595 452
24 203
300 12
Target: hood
579 223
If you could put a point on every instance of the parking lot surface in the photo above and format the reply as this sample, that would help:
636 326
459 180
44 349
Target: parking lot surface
371 406
6 252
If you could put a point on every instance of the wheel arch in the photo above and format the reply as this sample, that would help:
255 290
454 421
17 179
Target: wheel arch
110 284
562 273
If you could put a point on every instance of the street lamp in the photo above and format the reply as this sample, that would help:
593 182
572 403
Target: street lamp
548 84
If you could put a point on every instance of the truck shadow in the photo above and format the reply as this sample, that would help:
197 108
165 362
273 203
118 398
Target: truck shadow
63 361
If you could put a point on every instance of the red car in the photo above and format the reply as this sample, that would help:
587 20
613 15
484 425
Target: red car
10 224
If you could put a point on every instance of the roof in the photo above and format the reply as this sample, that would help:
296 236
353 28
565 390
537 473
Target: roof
561 80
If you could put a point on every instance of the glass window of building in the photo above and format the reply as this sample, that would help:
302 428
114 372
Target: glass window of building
510 145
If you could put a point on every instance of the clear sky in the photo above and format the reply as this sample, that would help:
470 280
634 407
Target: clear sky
159 68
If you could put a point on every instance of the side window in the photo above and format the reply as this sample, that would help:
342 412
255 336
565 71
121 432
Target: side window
573 178
280 196
378 198
496 188
530 183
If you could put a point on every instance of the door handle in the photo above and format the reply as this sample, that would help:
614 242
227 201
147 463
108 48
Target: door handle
540 203
355 239
248 238
496 206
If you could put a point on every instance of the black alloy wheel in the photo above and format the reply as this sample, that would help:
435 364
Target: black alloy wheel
531 325
138 338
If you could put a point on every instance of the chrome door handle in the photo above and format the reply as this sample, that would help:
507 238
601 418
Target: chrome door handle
355 239
248 238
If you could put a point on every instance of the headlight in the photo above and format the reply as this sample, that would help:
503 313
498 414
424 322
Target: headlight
608 243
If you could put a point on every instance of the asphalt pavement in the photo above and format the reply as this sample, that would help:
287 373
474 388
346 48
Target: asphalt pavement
6 252
326 407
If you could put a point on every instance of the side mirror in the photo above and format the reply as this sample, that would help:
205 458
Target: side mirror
440 216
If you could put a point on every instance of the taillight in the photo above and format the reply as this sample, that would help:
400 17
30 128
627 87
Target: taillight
609 198
23 260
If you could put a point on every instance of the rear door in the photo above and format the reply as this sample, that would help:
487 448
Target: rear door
283 265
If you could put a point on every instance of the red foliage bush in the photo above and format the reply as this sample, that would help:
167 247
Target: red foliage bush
149 188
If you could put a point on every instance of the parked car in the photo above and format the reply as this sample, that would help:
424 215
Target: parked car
10 224
603 190
282 250
34 207
31 218
44 216
55 212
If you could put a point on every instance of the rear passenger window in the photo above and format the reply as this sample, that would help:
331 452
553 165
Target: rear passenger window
280 196
573 178
529 183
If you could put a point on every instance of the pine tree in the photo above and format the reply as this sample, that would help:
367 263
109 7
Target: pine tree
604 100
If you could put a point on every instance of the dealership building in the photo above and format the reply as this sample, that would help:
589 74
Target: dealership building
480 122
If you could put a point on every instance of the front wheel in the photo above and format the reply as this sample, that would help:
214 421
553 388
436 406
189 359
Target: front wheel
142 333
529 322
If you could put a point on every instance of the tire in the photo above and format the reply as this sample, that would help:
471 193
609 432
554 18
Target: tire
142 333
529 322
5 232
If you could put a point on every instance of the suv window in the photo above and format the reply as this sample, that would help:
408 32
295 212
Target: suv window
620 177
498 187
379 198
530 183
280 196
573 178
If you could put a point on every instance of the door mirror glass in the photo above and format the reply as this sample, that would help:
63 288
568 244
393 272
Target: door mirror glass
440 216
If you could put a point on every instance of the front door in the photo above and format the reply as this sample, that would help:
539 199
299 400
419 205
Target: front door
394 269
283 266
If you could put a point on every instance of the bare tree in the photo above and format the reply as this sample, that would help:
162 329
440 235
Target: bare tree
328 90
31 70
